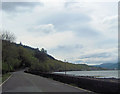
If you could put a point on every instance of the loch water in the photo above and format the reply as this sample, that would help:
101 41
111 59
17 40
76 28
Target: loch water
97 74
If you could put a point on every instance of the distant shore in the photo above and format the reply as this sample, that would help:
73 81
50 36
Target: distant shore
93 74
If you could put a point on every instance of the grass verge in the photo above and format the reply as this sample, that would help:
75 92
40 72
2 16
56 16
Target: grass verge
5 76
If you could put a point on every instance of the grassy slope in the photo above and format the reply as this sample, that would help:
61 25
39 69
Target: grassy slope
16 56
5 76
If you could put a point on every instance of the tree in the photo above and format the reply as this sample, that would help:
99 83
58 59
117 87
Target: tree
8 36
41 55
25 57
44 51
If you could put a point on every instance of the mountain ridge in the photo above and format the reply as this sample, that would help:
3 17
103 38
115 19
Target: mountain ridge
108 65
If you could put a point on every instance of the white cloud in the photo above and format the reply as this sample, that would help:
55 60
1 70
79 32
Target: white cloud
99 56
43 29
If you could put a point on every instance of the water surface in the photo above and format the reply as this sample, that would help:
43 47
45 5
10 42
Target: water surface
97 74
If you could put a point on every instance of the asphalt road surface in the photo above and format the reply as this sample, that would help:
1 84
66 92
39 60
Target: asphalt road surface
24 82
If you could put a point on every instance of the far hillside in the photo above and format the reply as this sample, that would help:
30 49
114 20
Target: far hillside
108 65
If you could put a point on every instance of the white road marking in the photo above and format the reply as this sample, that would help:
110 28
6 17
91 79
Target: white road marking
6 80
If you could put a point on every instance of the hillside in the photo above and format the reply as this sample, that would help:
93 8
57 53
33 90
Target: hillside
17 56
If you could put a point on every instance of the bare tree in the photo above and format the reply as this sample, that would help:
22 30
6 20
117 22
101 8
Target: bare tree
8 36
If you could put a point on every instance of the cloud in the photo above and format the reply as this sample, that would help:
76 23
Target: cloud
47 41
79 32
43 29
99 56
74 4
68 48
63 20
18 6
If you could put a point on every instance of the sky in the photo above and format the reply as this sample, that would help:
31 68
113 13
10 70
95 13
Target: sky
72 30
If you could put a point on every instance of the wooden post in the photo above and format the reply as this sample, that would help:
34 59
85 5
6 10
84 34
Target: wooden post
65 67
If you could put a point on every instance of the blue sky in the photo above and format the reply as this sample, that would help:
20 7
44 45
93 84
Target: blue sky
80 32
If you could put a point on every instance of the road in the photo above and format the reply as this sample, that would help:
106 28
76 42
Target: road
24 82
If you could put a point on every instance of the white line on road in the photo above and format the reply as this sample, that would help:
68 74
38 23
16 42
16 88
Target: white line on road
6 80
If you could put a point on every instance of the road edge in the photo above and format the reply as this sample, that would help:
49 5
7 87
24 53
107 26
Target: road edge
64 83
6 80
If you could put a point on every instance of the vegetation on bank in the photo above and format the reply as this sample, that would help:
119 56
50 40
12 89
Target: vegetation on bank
17 56
5 76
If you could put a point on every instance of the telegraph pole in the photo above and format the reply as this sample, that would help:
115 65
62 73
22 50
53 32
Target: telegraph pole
65 67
